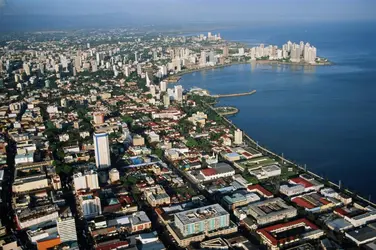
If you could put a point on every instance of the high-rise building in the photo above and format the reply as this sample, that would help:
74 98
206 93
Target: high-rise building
126 71
212 57
147 80
66 227
79 182
26 68
152 90
238 137
78 61
178 93
139 69
90 205
98 117
289 46
102 150
225 51
203 58
94 67
301 46
241 51
166 100
92 180
163 86
135 56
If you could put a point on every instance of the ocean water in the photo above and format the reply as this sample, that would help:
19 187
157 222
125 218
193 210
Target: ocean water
324 117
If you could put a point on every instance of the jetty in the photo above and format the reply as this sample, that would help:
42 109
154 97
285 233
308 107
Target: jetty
234 95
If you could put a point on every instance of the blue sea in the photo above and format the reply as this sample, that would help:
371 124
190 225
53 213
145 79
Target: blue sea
324 117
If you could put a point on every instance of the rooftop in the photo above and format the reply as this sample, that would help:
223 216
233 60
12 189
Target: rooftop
198 214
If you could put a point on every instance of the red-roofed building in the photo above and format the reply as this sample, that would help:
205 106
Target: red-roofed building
208 171
303 203
339 211
260 190
301 181
270 235
113 244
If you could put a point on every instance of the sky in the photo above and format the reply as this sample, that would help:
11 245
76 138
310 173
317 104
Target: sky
22 13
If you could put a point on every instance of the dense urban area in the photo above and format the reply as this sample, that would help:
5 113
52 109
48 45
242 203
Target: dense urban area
101 148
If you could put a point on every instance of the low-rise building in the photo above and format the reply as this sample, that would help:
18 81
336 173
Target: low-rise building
267 211
299 230
157 196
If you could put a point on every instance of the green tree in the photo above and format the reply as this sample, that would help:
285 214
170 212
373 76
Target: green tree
191 143
127 119
158 152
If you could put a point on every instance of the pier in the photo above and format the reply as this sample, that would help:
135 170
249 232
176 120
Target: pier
234 95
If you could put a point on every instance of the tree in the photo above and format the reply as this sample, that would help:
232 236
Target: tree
191 143
158 152
127 119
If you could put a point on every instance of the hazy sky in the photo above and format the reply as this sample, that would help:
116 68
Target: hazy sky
180 11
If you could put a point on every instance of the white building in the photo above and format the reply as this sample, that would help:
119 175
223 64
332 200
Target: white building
266 172
163 86
238 137
114 175
66 228
79 181
92 180
178 93
102 150
90 205
87 181
291 190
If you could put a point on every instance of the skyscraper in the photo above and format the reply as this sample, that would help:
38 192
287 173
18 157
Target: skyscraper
212 57
166 100
77 61
26 68
90 205
139 69
66 227
163 86
92 180
238 137
102 150
147 80
178 93
94 67
203 58
225 51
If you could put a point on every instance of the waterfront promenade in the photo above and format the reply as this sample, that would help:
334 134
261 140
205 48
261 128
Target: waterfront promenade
267 152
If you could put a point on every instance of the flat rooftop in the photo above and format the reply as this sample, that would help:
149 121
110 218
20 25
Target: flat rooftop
199 214
363 234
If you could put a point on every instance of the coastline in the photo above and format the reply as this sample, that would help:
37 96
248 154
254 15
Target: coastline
301 169
176 77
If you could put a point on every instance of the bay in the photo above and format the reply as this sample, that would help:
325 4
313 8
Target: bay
323 116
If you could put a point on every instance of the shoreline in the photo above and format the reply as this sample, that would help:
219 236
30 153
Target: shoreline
271 62
302 169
